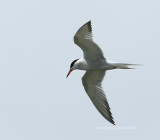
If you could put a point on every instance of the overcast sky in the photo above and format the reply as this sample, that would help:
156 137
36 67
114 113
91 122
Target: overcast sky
37 102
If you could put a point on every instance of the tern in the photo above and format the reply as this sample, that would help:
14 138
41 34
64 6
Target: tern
95 65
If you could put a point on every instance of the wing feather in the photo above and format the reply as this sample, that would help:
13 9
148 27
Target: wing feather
92 82
84 39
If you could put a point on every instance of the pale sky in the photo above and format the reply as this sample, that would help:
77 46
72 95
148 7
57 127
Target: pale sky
37 102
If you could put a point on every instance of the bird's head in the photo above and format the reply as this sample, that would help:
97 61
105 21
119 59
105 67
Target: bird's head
73 66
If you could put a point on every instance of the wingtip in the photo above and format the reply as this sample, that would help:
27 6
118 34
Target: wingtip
89 22
112 122
110 119
89 25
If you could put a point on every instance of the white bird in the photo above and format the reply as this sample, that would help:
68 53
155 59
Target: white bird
95 65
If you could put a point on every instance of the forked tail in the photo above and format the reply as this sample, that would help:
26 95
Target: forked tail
125 66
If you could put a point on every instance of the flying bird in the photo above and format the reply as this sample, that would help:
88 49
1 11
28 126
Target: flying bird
95 65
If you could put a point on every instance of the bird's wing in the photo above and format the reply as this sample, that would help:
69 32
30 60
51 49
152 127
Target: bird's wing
84 39
92 82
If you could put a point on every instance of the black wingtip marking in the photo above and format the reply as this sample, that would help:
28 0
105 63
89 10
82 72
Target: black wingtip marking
112 121
89 25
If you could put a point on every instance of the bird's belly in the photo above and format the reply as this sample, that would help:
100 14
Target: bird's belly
95 65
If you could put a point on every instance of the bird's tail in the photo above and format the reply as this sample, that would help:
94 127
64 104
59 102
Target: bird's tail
125 66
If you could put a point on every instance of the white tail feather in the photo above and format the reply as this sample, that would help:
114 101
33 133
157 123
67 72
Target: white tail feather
125 66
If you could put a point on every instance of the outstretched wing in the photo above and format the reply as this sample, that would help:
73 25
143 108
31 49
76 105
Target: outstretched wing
92 82
84 39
